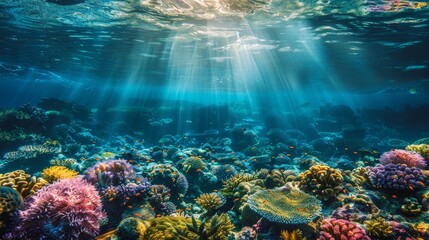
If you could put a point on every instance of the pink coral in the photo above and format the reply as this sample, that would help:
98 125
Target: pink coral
340 229
399 156
67 209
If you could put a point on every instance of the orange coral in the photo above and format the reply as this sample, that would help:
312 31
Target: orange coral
22 182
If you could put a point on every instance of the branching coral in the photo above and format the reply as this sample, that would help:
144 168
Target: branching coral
340 229
422 149
398 156
210 201
293 207
379 228
231 184
322 181
169 228
22 182
55 173
394 176
67 209
292 235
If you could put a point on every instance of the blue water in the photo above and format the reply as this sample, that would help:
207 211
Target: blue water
153 69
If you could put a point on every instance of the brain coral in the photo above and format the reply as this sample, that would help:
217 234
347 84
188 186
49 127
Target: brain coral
54 173
398 156
422 149
340 229
394 176
294 207
67 209
22 182
323 181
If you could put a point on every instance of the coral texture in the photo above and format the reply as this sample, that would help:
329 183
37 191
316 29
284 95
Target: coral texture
394 176
379 228
340 229
294 207
110 172
67 209
322 181
22 182
210 201
54 173
422 149
231 184
398 156
292 235
10 202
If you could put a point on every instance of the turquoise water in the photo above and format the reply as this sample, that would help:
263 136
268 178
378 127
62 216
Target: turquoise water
342 81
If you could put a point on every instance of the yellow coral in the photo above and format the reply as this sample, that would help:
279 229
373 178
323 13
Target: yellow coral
293 207
22 182
210 201
224 229
378 228
54 173
323 181
231 184
293 235
423 149
168 228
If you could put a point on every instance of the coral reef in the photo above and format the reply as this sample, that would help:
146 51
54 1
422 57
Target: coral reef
68 162
168 228
322 181
399 156
109 173
340 229
10 201
210 201
193 165
224 172
293 207
169 176
379 228
411 207
422 149
292 235
394 176
54 173
131 228
31 151
67 209
231 184
24 183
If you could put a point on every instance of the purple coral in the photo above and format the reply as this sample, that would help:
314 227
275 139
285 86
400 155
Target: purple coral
109 173
67 209
398 156
394 176
340 229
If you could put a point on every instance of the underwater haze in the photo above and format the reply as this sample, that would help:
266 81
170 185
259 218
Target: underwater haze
219 119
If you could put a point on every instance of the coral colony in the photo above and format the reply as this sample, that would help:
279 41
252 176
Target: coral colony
242 183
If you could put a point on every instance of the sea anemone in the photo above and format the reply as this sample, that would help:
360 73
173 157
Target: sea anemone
67 209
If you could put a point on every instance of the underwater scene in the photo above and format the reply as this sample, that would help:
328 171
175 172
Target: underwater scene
214 119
